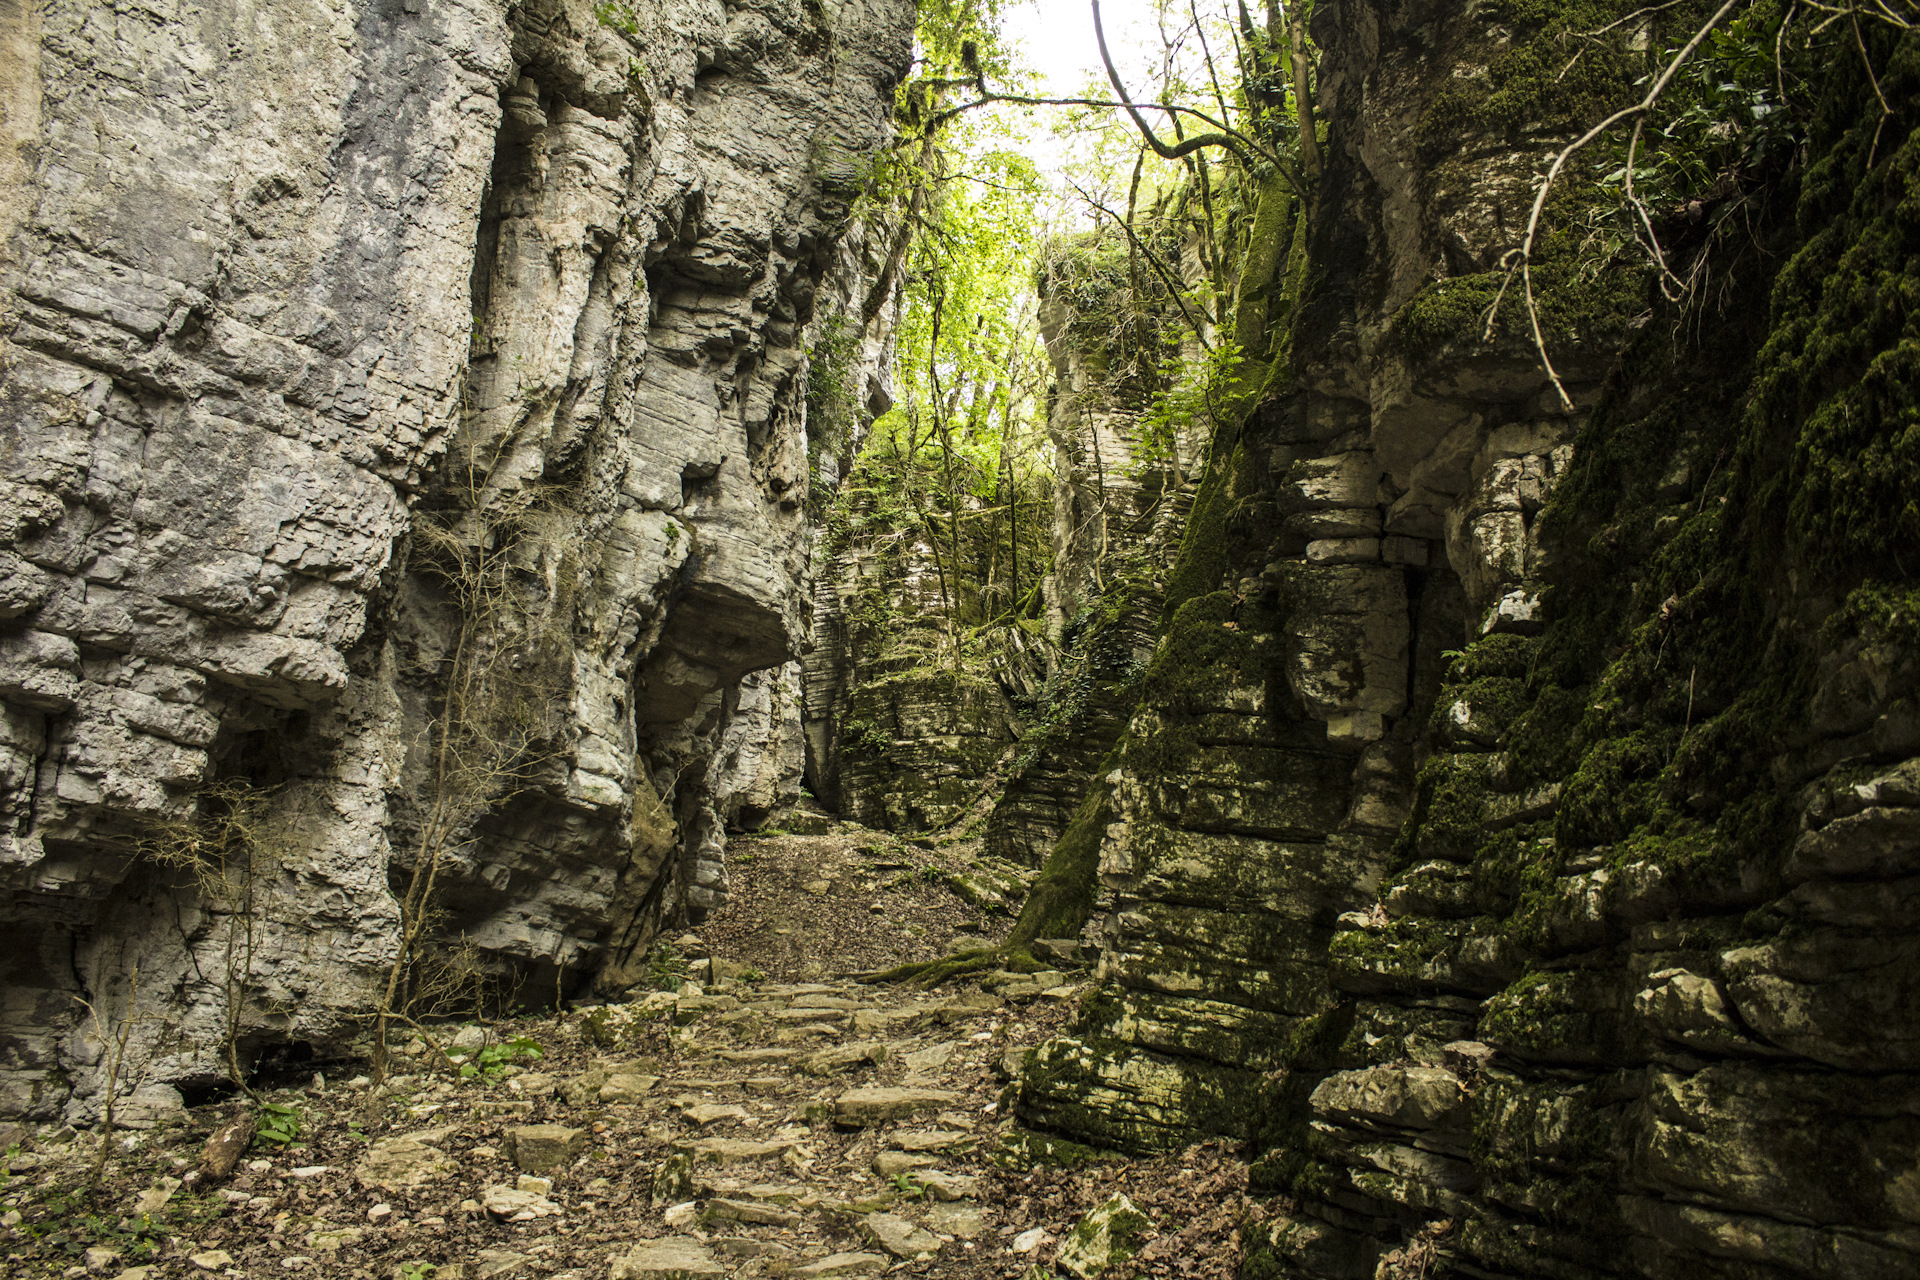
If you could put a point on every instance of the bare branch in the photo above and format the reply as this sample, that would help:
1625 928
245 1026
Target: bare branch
1153 260
1637 13
1222 137
1302 98
1885 111
1640 108
991 97
1646 220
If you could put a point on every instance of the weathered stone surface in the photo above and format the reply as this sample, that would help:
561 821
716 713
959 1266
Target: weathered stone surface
537 1148
890 1164
828 1062
626 1087
517 1204
334 1239
1109 1234
751 1211
676 1259
942 1184
706 1113
261 407
898 1236
1403 1097
932 1140
844 1264
877 1104
406 1161
959 1220
731 1150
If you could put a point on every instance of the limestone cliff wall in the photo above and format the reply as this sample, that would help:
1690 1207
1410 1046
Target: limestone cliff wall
900 736
375 374
1119 508
1513 834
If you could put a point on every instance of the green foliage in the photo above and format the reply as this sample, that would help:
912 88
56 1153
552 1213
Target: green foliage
278 1123
491 1061
865 737
615 16
963 36
666 968
1200 388
416 1270
833 398
67 1223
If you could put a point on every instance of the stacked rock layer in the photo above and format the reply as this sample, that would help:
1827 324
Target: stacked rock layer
1516 833
382 380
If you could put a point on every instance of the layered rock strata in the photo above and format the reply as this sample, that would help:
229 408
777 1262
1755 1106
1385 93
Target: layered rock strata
1514 833
1119 508
381 381
900 735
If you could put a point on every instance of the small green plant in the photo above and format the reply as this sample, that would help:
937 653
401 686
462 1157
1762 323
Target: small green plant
278 1123
416 1270
866 737
493 1059
666 969
617 17
909 1185
753 975
66 1224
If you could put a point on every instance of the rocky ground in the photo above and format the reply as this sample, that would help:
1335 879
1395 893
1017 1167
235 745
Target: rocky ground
764 1113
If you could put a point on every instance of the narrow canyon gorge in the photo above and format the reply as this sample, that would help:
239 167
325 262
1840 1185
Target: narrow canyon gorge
1356 719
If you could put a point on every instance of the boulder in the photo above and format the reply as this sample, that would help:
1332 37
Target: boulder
842 1264
898 1236
536 1148
1108 1235
409 1160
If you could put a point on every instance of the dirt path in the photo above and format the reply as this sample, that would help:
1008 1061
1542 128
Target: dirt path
773 1119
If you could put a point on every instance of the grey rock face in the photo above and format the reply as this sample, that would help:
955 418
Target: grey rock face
361 356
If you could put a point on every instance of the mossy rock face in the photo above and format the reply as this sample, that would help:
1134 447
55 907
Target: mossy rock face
915 746
1418 957
1107 1236
1564 1017
1215 1031
1476 716
1021 1150
1650 908
1451 802
1121 1098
